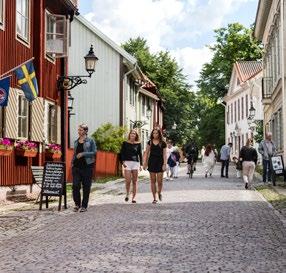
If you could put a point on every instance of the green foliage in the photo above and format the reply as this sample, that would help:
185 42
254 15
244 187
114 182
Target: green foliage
258 137
233 43
109 137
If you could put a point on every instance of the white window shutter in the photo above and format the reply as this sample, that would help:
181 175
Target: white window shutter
11 117
57 35
37 120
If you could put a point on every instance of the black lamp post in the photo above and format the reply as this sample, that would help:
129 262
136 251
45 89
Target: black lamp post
67 83
252 111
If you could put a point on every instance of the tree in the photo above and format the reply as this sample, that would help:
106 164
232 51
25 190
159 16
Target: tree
233 43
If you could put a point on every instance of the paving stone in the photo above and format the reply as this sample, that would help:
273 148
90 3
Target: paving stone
202 225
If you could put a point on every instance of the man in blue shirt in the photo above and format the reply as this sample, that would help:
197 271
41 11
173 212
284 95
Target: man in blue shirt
224 158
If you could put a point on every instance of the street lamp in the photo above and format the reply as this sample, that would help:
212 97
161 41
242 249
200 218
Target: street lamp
252 111
69 82
174 126
148 112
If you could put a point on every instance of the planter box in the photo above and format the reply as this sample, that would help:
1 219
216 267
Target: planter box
6 152
106 163
26 153
49 155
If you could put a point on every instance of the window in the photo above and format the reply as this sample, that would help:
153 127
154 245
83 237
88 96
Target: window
246 106
143 106
131 92
231 113
52 124
235 111
242 108
238 109
56 35
2 13
22 19
23 110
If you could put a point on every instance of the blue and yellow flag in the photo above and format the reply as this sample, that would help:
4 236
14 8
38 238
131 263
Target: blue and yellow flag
27 79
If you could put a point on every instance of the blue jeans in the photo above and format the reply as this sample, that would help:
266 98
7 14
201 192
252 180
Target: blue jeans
81 176
224 164
267 170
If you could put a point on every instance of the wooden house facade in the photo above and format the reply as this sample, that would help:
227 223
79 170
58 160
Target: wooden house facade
37 30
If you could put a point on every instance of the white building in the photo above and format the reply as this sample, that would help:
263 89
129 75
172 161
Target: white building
244 92
118 92
270 28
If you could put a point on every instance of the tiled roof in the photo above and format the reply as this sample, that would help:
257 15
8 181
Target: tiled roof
248 69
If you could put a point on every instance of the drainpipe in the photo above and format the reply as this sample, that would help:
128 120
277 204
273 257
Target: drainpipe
124 92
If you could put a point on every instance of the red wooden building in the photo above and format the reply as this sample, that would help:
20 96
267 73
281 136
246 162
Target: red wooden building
32 29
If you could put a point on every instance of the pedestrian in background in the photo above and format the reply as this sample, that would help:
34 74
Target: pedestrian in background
224 158
248 156
177 156
209 160
267 149
156 160
170 160
238 166
131 159
82 168
203 149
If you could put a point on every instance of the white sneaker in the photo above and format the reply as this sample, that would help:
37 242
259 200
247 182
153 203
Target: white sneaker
171 178
167 178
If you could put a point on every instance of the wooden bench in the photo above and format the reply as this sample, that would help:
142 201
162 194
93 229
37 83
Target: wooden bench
38 173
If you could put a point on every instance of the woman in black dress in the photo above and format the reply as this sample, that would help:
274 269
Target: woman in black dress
131 159
156 160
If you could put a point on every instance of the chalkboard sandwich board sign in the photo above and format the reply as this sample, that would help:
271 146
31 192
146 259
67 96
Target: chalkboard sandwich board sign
53 182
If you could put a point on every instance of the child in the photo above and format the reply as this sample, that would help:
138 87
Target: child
238 165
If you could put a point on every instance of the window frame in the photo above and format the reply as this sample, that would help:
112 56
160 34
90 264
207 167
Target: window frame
21 100
50 135
2 14
19 36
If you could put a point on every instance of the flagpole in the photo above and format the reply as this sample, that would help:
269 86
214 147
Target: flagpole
11 70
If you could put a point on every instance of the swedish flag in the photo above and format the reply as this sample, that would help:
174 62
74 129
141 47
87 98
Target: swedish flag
27 79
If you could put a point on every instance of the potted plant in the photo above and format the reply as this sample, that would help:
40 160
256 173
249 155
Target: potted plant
108 140
53 151
26 148
6 147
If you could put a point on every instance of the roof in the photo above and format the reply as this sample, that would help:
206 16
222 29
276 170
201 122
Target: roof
262 13
248 69
106 39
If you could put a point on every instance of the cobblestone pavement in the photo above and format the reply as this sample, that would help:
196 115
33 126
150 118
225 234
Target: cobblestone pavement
202 225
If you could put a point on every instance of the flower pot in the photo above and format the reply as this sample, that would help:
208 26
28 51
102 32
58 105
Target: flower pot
6 152
26 153
50 155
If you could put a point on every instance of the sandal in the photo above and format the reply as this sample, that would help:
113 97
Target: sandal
133 201
154 202
126 199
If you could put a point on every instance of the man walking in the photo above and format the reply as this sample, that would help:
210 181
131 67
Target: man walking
267 149
224 158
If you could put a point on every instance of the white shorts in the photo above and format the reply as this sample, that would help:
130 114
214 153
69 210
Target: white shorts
132 165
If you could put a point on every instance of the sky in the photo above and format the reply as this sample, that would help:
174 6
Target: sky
183 27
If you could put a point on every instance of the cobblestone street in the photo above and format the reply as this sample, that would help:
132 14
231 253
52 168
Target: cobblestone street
202 225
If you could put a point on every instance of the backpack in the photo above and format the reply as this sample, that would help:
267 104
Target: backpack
172 160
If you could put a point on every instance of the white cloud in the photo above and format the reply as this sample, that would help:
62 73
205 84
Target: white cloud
165 24
192 60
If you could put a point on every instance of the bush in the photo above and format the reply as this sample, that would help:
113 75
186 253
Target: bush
109 137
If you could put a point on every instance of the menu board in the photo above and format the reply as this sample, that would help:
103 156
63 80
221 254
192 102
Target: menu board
53 179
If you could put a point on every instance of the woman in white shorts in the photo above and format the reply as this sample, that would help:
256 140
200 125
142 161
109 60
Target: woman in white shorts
131 159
